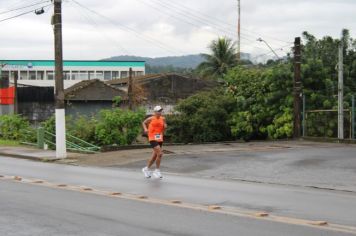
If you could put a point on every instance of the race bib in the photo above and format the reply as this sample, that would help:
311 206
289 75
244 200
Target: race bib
158 136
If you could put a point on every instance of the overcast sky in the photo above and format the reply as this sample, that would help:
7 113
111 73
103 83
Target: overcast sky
167 27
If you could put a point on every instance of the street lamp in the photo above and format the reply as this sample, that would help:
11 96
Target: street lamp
264 41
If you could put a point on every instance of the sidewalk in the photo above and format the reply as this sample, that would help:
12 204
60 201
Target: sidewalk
30 153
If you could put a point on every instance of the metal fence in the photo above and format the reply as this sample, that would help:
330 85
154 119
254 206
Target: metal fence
323 123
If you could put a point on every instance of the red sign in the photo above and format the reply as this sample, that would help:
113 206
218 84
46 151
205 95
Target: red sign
7 96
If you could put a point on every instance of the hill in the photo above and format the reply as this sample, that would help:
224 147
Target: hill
188 61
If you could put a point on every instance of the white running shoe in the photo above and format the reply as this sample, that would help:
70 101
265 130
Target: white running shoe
146 172
157 174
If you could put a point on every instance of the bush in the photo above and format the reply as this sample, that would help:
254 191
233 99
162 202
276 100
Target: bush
84 128
282 126
241 125
13 127
262 95
118 126
202 118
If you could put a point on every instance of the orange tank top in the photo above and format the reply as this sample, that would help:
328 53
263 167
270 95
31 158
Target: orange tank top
156 129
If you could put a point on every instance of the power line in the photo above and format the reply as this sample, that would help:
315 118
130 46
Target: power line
20 8
217 21
276 49
95 25
129 29
24 13
183 17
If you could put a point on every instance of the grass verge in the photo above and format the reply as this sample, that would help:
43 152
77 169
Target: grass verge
9 143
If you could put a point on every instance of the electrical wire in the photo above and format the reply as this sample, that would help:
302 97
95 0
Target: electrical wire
24 13
214 20
95 25
276 49
184 17
129 29
20 8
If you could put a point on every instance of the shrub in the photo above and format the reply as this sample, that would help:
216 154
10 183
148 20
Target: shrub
201 118
13 127
282 126
84 128
118 126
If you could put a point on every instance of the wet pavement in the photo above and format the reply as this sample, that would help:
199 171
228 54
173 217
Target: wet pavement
304 203
329 166
27 210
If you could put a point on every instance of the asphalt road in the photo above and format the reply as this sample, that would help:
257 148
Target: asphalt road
33 210
296 202
320 165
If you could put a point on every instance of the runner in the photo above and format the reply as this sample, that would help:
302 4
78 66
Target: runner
155 126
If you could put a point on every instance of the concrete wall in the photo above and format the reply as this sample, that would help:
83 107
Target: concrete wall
90 108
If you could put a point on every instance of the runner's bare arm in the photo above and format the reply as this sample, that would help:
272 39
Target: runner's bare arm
146 123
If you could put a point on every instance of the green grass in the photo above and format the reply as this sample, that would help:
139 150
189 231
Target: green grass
9 143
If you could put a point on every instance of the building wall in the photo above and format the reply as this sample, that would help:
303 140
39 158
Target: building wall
171 88
31 72
90 108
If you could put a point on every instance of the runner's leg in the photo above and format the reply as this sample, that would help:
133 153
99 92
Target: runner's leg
152 160
159 157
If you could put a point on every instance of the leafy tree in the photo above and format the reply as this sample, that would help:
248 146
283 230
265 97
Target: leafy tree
202 118
262 95
118 126
13 127
320 80
221 59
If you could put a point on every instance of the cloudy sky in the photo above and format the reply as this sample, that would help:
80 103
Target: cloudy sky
96 29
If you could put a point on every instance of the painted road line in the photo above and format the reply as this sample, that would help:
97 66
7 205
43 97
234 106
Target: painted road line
322 225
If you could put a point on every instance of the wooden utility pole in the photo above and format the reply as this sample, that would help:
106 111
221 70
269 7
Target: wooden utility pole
239 31
16 104
130 90
297 88
61 151
341 92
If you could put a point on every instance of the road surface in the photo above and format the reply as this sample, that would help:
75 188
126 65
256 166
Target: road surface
28 209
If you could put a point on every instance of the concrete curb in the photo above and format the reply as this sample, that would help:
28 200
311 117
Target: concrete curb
143 146
27 157
329 140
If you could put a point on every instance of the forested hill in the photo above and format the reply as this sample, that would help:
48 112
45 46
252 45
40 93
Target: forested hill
188 61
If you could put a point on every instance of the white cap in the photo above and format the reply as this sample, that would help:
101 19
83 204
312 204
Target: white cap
157 109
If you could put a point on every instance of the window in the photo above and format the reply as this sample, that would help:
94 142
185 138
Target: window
32 75
66 75
107 75
139 73
124 74
115 75
23 75
13 75
5 74
91 74
83 75
50 75
40 75
99 75
75 75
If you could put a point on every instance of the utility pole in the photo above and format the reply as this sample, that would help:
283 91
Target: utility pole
61 150
16 104
297 88
341 92
239 31
130 90
353 117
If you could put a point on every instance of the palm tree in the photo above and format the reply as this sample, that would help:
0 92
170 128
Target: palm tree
221 59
